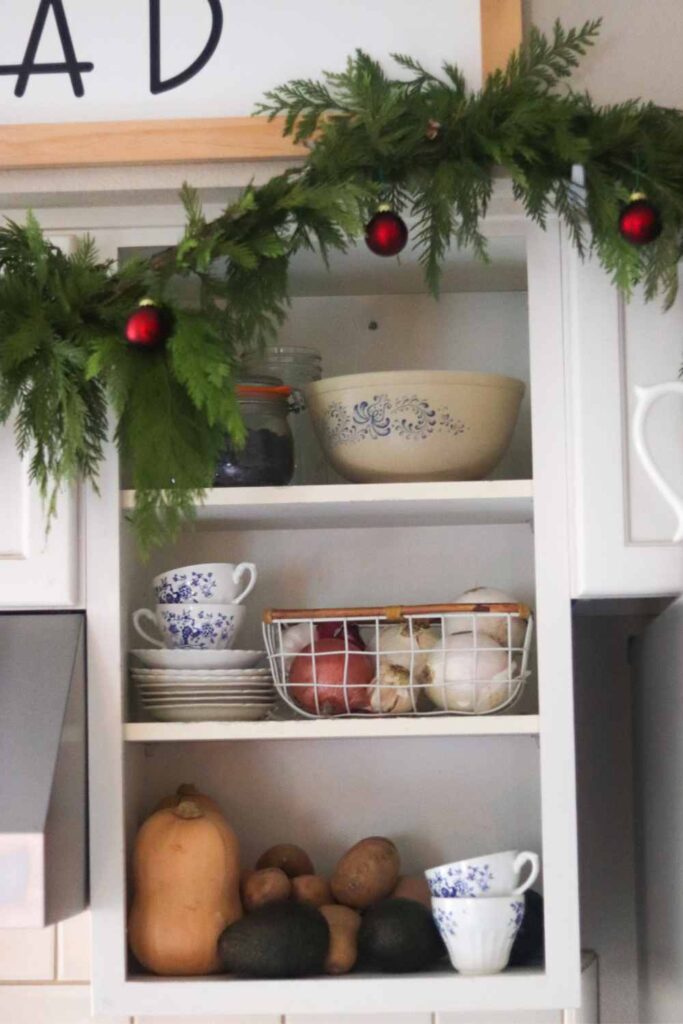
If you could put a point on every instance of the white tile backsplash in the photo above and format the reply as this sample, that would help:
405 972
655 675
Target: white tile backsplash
502 1017
73 948
49 1004
251 1019
27 954
361 1018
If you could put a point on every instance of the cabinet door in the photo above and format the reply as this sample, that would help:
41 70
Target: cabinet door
658 733
37 569
623 527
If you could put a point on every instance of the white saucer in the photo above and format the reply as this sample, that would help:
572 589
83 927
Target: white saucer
204 713
151 674
184 659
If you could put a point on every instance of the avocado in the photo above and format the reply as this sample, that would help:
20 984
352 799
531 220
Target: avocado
277 940
399 935
528 945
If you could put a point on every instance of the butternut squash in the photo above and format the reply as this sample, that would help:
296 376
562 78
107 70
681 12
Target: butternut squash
187 791
186 890
344 924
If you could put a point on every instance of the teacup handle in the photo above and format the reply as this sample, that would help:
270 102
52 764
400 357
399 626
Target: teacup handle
645 398
145 613
520 860
239 572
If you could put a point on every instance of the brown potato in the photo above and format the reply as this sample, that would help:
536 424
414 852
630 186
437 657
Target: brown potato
289 858
366 873
311 889
413 887
344 924
265 886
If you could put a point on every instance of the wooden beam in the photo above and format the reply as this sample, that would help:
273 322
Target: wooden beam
501 32
127 143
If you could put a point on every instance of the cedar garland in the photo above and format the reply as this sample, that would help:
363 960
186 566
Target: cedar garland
424 143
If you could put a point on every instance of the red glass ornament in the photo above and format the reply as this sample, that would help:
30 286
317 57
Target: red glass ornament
147 327
386 233
639 221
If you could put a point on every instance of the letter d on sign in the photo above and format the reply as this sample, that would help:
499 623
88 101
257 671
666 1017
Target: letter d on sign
156 83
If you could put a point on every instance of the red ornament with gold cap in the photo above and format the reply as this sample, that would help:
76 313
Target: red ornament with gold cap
640 222
386 233
148 326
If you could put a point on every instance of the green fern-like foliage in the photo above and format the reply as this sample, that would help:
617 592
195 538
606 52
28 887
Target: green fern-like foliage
424 142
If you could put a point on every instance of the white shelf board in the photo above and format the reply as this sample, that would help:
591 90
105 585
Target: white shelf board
328 506
335 728
441 990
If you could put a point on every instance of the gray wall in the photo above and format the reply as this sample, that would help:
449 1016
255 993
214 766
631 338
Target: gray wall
639 52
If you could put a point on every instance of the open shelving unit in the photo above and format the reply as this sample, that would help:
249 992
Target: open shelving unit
442 786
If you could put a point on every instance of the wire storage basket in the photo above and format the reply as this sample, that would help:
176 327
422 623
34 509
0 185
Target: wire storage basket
441 659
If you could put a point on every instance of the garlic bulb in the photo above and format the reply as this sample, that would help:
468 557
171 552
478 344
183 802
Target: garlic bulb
494 625
460 678
401 651
390 694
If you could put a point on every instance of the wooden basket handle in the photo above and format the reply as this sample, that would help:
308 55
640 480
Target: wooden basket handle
393 613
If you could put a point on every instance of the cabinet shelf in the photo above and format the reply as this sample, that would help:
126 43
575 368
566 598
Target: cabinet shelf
329 506
367 993
334 728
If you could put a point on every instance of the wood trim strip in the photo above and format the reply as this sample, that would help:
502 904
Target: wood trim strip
129 143
501 33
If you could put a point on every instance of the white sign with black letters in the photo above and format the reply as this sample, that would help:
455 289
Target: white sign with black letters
95 60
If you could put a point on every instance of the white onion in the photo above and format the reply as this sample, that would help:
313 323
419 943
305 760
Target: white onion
398 645
494 625
464 679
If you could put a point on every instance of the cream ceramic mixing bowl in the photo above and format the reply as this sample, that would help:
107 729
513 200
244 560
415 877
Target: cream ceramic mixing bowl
415 424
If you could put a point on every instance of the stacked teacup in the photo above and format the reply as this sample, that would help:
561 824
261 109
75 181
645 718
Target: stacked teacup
198 606
193 671
478 906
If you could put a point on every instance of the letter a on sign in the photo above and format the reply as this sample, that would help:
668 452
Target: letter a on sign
71 65
157 85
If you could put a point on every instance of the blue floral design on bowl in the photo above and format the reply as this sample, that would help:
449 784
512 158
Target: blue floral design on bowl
409 417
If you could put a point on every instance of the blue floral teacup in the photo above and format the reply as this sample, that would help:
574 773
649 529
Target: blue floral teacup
210 583
479 933
200 627
494 875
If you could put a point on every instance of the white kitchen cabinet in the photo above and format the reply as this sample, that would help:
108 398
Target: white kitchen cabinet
38 569
624 528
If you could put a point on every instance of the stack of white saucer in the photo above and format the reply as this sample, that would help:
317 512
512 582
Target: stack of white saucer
193 673
198 686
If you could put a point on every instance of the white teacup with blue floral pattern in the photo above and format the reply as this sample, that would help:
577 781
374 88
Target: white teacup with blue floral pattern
494 875
200 627
210 583
478 933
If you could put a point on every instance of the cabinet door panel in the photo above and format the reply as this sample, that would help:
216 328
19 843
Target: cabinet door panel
623 528
37 569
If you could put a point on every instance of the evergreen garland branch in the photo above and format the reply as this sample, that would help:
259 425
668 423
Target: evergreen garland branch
423 141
